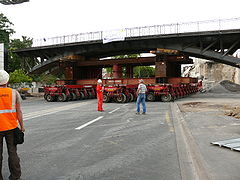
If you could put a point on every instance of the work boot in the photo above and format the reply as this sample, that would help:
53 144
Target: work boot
137 113
144 113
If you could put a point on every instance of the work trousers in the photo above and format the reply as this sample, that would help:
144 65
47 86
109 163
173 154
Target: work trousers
100 101
13 159
141 100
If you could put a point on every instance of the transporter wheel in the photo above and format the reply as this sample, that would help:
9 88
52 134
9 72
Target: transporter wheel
62 97
106 98
121 98
45 96
74 96
127 98
69 97
78 95
49 98
82 95
131 97
90 95
166 98
23 96
150 97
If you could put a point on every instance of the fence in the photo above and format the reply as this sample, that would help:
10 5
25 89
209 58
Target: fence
199 26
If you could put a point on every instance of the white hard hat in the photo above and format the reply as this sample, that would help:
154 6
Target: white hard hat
141 80
99 81
4 77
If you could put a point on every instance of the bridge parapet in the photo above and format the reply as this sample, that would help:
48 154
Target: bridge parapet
165 29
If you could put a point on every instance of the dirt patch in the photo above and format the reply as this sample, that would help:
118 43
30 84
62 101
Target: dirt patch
227 108
234 112
200 107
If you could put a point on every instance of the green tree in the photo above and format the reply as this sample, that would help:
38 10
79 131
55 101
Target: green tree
46 79
16 62
5 29
109 69
143 71
19 76
126 56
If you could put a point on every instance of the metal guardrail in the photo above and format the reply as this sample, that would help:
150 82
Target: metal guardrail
199 26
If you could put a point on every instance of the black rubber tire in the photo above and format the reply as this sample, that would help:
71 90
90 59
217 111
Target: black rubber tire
150 97
45 95
23 97
90 95
121 98
106 98
131 97
62 97
74 96
82 95
166 98
128 98
49 98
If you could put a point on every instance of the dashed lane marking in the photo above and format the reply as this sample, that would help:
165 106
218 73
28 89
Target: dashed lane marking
88 123
114 110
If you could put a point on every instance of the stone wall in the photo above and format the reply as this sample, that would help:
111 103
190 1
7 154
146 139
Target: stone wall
212 72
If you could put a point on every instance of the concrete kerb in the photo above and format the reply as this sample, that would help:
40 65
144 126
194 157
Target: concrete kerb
191 162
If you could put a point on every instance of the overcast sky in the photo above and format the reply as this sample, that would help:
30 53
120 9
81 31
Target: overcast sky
49 18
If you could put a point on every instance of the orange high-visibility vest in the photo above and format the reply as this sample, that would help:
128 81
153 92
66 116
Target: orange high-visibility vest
8 113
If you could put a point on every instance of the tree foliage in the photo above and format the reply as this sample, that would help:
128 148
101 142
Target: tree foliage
143 71
46 79
126 56
5 29
138 71
5 24
16 62
19 76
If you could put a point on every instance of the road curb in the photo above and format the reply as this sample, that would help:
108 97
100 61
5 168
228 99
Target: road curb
191 162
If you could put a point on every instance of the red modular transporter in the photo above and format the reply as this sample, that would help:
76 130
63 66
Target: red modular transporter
123 90
165 86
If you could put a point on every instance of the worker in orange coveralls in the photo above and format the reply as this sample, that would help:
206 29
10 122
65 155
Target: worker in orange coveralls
100 95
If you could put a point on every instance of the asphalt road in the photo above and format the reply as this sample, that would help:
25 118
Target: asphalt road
71 141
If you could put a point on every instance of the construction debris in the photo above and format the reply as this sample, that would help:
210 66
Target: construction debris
235 112
233 144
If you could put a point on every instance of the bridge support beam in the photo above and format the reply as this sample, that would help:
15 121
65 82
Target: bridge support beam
165 67
129 71
88 73
68 72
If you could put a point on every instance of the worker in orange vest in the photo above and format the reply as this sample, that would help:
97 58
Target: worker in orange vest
100 94
10 117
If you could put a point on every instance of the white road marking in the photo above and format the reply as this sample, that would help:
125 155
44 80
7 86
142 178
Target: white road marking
88 123
45 112
114 110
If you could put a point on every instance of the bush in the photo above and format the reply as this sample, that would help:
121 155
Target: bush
19 76
46 79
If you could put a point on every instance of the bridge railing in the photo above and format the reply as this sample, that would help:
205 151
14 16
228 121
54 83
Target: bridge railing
199 26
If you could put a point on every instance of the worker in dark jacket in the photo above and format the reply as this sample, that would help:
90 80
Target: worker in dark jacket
10 117
100 95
